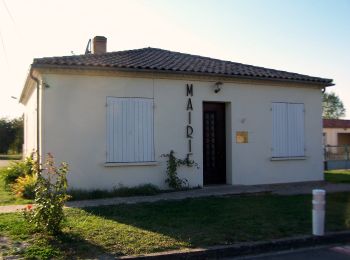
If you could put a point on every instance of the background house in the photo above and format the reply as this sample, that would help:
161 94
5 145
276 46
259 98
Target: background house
336 132
336 141
111 115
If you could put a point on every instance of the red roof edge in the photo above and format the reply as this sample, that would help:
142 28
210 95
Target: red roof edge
336 123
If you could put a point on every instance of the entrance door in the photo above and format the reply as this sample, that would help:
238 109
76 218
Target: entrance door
214 148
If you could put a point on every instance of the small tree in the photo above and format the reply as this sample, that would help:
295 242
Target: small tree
11 135
50 196
333 107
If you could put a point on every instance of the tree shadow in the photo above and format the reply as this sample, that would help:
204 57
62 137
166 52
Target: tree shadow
73 246
215 221
338 211
338 177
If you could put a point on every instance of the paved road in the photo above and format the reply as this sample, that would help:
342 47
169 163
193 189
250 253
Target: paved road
333 253
4 163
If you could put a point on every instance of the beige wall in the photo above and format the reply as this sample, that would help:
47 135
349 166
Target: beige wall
74 129
332 134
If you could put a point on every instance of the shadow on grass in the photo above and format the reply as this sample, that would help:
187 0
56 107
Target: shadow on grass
67 245
338 176
214 221
338 211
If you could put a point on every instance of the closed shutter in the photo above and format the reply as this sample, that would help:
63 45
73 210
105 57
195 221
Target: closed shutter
279 130
130 130
288 130
296 130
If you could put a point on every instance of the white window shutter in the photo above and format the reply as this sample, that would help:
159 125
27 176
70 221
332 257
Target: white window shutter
130 130
296 130
279 130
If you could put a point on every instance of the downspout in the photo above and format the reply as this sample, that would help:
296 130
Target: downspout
37 116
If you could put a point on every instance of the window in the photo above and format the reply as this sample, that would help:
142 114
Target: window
288 130
130 130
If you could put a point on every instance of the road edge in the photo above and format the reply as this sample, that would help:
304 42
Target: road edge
249 248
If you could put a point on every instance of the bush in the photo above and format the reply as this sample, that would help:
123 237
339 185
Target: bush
25 186
50 196
141 190
173 163
18 169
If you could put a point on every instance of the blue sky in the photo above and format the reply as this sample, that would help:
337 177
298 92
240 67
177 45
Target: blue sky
309 37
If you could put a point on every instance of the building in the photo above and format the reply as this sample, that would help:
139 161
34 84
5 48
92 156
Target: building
336 132
111 115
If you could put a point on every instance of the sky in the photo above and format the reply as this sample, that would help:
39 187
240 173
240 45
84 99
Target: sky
308 37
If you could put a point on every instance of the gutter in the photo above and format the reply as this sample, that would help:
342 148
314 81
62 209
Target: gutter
49 66
37 115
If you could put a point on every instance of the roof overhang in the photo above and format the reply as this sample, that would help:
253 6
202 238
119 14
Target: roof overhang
29 86
39 67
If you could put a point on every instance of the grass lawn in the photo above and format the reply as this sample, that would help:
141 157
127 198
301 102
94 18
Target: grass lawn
160 226
337 176
6 196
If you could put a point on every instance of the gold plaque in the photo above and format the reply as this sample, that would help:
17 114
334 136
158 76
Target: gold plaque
241 137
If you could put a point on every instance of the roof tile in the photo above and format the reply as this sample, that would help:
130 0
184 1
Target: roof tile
336 123
157 59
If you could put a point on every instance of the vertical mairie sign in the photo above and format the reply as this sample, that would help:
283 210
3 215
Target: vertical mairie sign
189 109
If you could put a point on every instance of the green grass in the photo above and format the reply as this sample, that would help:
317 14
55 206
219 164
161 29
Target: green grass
6 196
337 176
154 227
10 156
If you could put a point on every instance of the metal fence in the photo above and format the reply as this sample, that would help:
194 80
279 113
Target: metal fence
340 152
337 157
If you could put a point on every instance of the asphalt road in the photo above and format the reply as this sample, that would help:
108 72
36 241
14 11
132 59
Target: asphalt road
333 253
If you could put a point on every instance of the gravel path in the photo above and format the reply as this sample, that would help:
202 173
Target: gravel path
222 190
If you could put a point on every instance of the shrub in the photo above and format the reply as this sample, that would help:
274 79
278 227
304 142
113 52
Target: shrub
173 163
18 169
141 190
25 186
50 196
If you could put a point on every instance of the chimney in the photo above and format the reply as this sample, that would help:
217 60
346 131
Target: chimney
99 45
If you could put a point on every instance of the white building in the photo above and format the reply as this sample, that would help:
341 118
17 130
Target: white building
111 115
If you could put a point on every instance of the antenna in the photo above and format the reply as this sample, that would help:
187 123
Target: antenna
88 47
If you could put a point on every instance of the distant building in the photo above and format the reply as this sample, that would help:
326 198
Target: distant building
336 132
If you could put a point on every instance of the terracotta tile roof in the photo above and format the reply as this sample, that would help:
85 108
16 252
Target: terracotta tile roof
152 59
336 123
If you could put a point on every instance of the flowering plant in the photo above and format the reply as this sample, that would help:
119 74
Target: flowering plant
50 196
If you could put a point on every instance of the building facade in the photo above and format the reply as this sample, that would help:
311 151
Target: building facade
113 124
